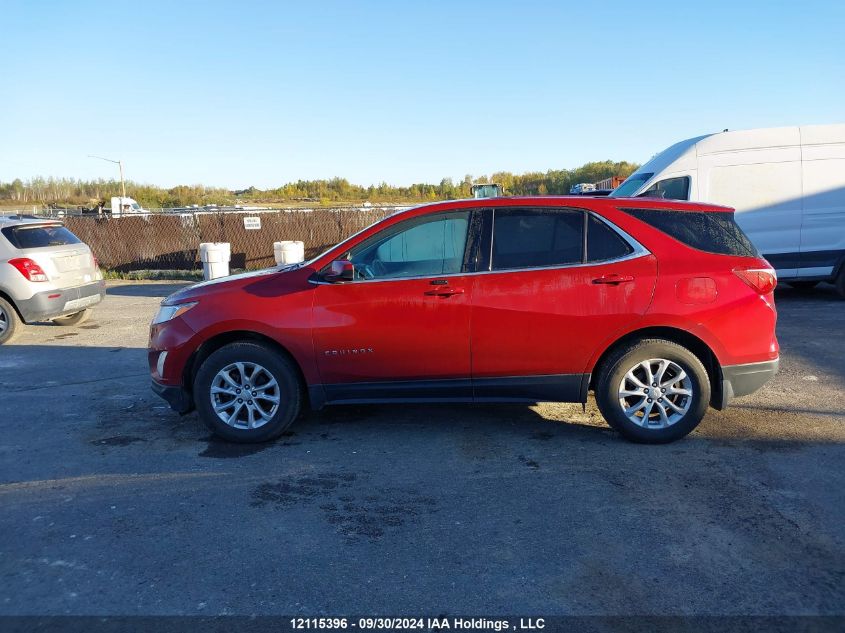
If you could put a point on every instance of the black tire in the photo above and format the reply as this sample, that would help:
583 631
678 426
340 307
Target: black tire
803 285
10 322
626 358
73 319
277 365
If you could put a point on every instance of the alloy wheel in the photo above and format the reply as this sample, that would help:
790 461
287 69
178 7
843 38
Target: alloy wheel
245 395
655 393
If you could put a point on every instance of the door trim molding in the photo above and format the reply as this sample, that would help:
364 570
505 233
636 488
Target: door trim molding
520 389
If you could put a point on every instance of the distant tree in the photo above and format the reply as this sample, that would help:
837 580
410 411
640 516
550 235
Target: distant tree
67 191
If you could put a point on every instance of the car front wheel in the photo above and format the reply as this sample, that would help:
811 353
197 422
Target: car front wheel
653 391
247 392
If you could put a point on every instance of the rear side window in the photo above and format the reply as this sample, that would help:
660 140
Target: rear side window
669 189
712 232
603 243
533 238
39 236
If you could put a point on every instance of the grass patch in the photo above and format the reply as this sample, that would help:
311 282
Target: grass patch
154 275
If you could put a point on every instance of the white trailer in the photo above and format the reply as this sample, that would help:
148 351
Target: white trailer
786 184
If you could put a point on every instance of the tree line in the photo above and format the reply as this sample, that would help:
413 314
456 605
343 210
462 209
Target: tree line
73 192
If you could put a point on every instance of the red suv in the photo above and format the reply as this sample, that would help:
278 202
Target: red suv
661 308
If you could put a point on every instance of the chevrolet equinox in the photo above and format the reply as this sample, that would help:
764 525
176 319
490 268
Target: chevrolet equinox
660 308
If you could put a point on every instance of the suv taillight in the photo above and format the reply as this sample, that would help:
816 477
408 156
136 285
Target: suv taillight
29 269
763 280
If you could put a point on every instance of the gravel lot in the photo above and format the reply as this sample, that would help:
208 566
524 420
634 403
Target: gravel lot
112 504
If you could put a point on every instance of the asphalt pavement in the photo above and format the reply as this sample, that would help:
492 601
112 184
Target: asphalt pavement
112 504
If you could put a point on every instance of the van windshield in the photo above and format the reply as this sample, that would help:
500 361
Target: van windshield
633 182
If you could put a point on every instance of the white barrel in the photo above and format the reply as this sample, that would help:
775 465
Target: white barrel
215 257
289 252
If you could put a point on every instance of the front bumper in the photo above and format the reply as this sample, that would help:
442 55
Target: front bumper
61 302
741 380
177 397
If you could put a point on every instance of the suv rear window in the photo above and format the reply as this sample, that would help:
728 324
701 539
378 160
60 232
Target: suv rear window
39 236
712 232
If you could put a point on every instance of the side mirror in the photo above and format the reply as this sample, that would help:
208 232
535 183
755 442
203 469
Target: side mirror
341 270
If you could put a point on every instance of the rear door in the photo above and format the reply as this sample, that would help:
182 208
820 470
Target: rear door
560 282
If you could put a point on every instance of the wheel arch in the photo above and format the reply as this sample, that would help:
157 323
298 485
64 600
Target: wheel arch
694 344
11 302
222 339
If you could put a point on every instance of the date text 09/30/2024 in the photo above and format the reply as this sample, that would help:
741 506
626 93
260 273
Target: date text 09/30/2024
418 623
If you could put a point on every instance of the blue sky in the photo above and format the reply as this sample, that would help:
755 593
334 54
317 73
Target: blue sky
262 93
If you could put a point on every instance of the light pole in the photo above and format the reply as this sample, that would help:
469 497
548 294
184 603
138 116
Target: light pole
119 164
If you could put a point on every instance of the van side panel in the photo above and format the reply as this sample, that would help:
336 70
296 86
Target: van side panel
823 229
764 186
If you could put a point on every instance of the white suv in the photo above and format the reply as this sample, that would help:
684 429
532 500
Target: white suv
46 273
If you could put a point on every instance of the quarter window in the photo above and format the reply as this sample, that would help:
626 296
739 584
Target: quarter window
669 189
708 231
427 246
532 238
603 243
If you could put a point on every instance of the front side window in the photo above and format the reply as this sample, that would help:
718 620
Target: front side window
532 238
420 247
669 189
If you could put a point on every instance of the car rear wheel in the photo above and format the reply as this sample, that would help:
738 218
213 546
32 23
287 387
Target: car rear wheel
653 391
73 319
10 322
247 392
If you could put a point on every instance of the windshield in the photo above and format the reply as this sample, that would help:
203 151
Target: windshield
634 182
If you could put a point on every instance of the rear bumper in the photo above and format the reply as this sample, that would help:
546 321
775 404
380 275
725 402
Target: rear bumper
741 380
60 302
177 397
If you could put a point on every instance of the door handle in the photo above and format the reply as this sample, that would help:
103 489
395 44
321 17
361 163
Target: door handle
613 279
444 291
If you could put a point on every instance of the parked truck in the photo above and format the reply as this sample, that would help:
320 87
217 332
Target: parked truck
124 205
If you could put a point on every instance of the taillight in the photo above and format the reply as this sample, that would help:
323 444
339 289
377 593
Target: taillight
763 280
29 269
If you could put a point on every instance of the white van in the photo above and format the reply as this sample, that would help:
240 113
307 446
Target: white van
787 186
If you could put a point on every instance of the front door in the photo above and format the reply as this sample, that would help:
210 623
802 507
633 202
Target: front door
552 297
400 329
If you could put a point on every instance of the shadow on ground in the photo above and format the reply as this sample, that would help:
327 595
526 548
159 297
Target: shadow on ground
146 289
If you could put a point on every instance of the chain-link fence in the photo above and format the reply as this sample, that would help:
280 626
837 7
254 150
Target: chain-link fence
161 241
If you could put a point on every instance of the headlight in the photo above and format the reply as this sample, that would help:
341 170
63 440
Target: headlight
166 313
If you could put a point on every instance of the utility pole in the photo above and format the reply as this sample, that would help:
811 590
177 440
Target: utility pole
119 164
